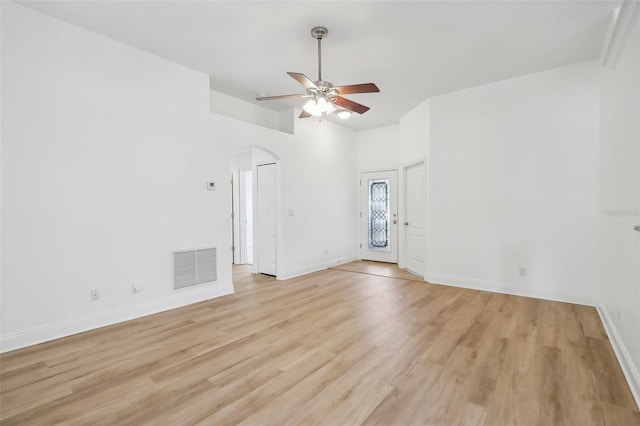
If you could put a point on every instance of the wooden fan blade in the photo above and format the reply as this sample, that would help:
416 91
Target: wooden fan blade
350 105
304 80
304 114
271 98
357 88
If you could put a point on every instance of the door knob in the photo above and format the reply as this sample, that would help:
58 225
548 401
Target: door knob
636 228
406 224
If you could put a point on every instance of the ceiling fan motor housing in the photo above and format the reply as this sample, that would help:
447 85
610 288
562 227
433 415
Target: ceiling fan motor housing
323 87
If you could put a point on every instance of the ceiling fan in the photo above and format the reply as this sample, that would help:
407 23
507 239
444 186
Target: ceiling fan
325 98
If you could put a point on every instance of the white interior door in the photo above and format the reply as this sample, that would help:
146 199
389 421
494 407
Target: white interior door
415 211
379 216
266 219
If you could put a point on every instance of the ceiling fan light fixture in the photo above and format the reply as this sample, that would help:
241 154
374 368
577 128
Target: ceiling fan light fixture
319 106
322 104
312 108
343 114
329 108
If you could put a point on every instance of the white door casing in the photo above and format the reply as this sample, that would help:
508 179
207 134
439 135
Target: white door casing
267 219
235 217
380 242
415 217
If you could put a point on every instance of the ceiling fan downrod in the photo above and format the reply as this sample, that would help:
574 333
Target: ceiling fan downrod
319 33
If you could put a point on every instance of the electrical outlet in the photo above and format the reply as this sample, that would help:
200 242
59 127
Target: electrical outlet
95 295
523 271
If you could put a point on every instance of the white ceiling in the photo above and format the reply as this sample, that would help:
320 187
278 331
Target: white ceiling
411 50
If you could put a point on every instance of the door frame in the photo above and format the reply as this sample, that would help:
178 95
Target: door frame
362 209
402 233
235 217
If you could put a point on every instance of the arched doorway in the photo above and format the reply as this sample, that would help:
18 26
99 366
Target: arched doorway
255 208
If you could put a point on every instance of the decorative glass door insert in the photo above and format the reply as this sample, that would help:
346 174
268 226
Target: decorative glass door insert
379 215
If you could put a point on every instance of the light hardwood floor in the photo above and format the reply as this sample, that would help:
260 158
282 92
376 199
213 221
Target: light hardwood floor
337 347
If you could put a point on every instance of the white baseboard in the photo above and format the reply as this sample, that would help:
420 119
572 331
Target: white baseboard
536 292
314 268
34 336
629 369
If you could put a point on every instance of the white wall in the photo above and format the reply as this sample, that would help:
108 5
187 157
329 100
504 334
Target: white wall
512 177
414 134
378 149
322 192
105 153
513 172
619 246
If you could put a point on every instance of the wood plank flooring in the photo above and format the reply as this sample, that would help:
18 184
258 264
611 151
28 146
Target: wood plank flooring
336 347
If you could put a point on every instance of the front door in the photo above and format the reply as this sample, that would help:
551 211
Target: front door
379 216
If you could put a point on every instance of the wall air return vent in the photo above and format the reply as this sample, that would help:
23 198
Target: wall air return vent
193 267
